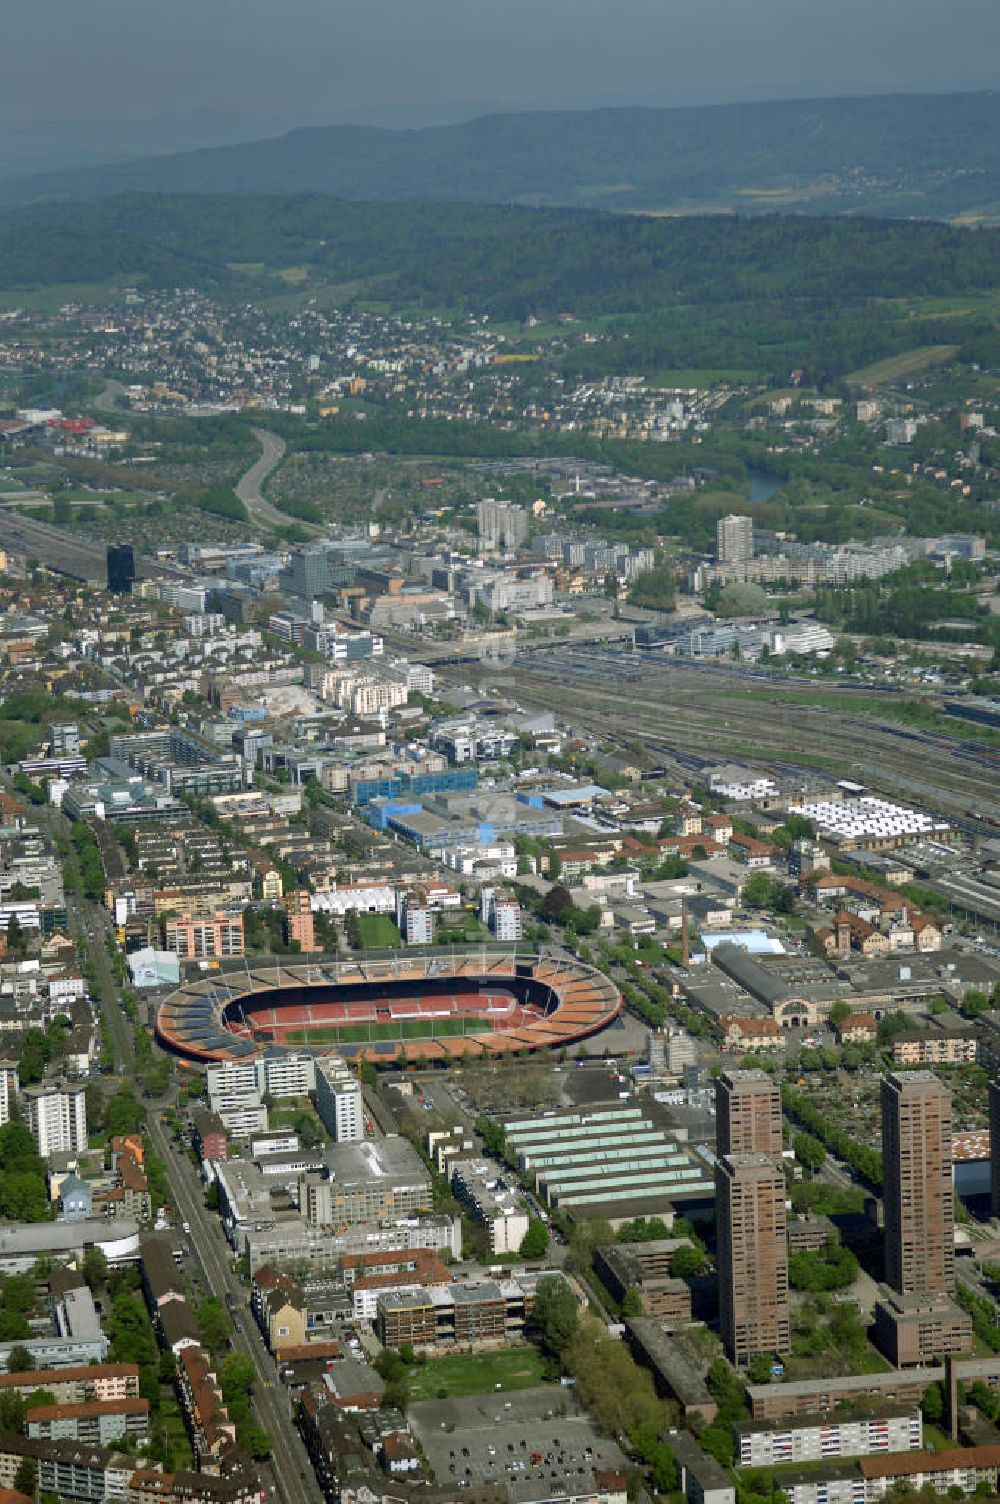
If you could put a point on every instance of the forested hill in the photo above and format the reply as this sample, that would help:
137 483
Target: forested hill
509 262
926 156
769 294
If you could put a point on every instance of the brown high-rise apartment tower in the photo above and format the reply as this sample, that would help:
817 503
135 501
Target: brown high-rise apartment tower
995 1147
752 1255
747 1114
918 1194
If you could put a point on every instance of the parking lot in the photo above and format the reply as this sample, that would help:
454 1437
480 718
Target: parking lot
532 1436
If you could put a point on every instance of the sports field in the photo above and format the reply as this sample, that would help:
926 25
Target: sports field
403 1028
475 1373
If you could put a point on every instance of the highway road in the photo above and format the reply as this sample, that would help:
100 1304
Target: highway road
272 452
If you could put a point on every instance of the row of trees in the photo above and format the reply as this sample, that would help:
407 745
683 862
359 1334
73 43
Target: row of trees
861 1157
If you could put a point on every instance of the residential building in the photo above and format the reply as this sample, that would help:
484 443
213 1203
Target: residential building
502 526
995 1147
747 1113
913 1330
195 937
734 539
414 916
815 1438
501 912
57 1117
210 1136
493 1200
752 1256
339 1100
92 1422
918 1192
299 925
9 1087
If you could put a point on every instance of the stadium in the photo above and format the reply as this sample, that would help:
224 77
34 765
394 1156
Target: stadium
401 1009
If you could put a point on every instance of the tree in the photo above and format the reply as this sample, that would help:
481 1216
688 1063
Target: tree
253 1439
632 1304
125 1114
809 1152
236 1376
19 1293
26 1477
20 1360
535 1243
16 939
932 1404
759 1369
13 1326
94 1268
757 891
23 1197
395 1396
13 1406
687 1261
556 904
214 1324
555 1315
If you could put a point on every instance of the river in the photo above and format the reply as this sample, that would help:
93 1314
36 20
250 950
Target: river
763 485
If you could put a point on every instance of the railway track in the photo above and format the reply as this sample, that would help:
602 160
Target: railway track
687 718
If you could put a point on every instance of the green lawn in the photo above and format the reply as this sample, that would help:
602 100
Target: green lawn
895 367
173 1424
378 931
49 299
407 1028
475 1373
701 377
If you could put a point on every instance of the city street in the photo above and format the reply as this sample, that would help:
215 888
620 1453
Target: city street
291 1468
289 1476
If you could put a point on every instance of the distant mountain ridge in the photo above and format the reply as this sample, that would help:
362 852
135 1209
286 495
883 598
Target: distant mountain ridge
925 156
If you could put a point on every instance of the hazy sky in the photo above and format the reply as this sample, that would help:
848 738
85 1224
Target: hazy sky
392 60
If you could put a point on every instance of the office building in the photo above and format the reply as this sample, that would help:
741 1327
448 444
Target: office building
338 1100
734 539
57 1117
121 568
752 1256
376 1181
748 1114
918 1192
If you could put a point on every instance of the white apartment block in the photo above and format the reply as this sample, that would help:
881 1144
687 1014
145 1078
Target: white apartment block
286 1075
811 1439
492 1200
338 1099
243 1122
9 1087
502 913
57 1117
232 1086
415 917
369 696
237 1086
